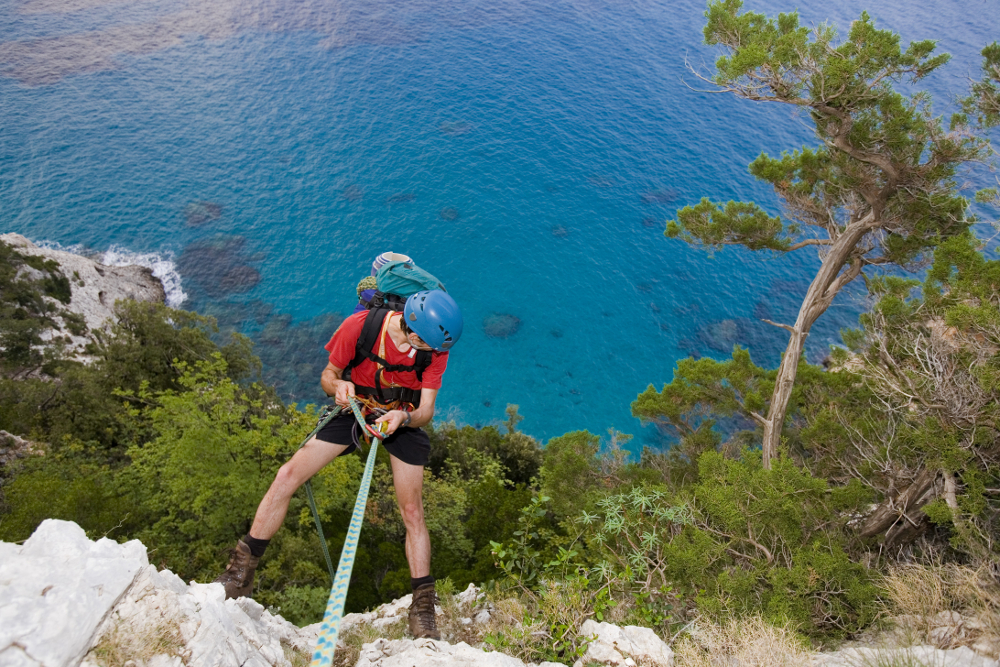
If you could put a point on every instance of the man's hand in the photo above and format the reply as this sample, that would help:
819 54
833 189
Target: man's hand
345 390
395 419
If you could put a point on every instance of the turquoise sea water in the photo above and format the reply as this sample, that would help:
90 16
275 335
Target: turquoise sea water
526 153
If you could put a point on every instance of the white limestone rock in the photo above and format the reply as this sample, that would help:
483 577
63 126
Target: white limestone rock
613 645
57 589
60 594
429 653
469 597
915 655
395 608
95 287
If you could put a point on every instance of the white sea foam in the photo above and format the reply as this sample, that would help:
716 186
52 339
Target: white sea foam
162 265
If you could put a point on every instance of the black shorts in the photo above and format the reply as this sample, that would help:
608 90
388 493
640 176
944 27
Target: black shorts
409 445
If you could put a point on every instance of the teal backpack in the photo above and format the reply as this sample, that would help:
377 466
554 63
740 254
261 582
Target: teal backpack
398 280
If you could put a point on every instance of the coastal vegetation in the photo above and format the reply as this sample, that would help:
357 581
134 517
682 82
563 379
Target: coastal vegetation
811 501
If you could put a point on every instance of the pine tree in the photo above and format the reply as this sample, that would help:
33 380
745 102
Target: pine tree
879 188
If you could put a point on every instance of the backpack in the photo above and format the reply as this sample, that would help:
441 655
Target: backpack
395 282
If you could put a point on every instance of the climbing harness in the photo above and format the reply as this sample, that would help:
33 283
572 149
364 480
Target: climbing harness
326 643
374 331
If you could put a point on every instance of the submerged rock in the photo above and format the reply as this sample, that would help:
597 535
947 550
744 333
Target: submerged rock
601 181
455 127
239 279
219 265
501 325
198 213
663 196
352 192
560 232
400 198
721 335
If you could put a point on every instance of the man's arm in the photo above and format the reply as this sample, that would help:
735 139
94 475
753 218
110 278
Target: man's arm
334 386
419 417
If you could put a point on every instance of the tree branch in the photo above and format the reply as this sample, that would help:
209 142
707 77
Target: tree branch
786 327
808 242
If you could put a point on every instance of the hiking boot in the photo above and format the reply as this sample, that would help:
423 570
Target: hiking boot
422 622
238 577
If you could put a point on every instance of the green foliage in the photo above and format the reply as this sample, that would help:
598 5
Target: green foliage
984 101
881 185
872 139
468 450
570 471
927 362
148 339
639 536
554 590
782 529
26 282
66 485
743 540
301 605
740 223
214 449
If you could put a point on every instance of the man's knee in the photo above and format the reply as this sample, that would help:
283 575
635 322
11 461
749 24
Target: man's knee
413 514
288 480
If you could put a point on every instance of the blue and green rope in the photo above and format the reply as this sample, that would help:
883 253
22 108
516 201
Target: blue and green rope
326 643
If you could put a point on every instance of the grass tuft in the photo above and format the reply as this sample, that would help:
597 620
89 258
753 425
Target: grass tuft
124 643
747 642
944 605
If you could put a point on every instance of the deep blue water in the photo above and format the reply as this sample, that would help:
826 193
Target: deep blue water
526 153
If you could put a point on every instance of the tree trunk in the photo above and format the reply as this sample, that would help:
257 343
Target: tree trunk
900 517
822 290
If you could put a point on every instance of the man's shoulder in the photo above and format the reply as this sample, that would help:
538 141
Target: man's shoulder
352 325
358 318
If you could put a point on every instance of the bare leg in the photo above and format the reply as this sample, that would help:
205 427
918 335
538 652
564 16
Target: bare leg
304 464
409 482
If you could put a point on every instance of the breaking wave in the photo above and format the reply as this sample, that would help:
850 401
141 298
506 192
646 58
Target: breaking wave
162 265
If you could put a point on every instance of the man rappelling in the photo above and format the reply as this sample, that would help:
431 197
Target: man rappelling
392 363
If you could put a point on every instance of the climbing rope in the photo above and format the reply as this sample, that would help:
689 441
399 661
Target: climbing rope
326 643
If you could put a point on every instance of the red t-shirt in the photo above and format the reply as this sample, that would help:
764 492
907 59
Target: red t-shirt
342 346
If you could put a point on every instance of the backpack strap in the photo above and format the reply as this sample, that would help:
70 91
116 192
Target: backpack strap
367 340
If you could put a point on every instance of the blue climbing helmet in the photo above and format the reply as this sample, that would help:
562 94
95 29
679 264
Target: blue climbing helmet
435 317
